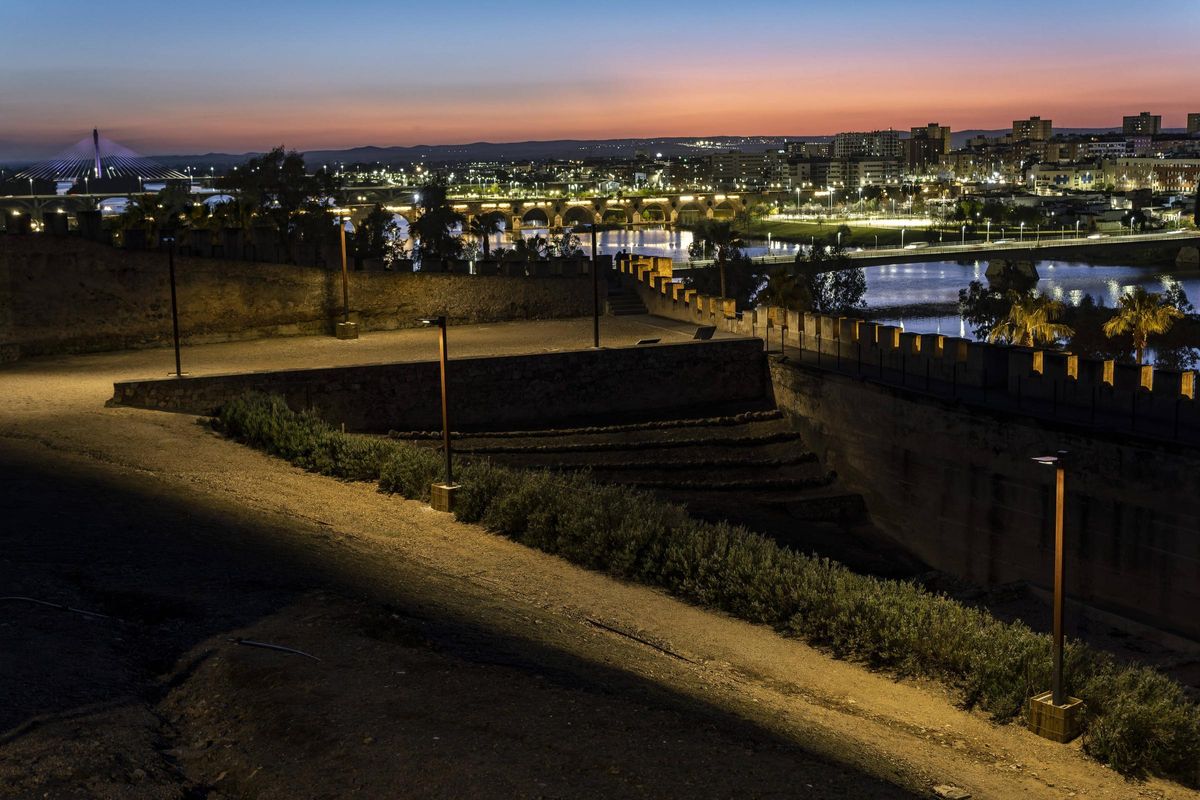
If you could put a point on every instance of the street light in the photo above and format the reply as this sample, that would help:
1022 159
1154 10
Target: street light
964 235
441 496
345 329
902 230
595 292
1060 719
169 241
1056 461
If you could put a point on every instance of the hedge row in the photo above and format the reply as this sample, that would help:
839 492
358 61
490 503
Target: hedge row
1138 721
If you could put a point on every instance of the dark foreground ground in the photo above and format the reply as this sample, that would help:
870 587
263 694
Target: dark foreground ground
157 701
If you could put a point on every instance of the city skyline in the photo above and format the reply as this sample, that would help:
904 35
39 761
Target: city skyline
244 79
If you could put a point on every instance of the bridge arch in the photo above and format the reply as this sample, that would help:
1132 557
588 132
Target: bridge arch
579 215
726 210
616 215
656 212
536 217
692 212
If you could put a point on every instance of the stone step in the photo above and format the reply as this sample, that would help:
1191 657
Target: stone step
652 444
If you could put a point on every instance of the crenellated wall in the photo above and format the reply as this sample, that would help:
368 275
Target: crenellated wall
938 432
1053 383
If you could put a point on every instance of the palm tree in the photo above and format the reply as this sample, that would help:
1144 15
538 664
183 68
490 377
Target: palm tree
725 239
482 227
1141 313
1030 321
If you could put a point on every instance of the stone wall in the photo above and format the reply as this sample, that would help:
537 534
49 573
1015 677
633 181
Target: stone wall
66 295
1152 401
956 486
498 393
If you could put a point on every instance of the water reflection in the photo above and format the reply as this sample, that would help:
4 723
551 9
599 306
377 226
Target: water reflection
909 294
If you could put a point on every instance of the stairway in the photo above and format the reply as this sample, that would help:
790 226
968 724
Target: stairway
623 302
749 468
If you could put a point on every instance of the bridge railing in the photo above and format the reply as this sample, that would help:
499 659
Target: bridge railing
975 247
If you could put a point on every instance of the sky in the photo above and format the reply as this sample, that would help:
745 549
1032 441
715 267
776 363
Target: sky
219 76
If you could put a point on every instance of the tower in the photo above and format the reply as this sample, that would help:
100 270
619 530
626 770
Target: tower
96 150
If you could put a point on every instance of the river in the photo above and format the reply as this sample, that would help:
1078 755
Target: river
907 294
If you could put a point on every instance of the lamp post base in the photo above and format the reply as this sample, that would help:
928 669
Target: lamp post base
347 330
441 497
1057 723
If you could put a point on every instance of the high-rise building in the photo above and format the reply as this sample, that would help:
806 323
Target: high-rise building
925 146
1193 125
876 144
1034 128
1144 124
809 149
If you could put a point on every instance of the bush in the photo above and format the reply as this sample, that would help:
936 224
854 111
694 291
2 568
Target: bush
409 471
1138 721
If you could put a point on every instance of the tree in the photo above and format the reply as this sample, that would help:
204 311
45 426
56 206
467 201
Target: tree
434 229
1141 313
277 188
1031 321
782 289
742 281
566 245
532 248
723 239
483 227
373 232
831 283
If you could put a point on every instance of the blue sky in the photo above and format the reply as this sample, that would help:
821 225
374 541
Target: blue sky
240 76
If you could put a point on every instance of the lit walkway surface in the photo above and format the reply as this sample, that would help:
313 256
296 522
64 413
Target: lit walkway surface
453 662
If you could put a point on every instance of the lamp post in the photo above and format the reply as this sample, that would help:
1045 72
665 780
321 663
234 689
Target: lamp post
169 241
1056 461
964 235
902 231
441 496
1057 716
595 292
345 329
989 231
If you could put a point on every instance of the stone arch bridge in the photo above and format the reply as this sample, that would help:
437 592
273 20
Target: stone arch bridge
560 212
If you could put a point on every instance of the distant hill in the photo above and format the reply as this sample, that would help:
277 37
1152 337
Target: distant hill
556 149
511 151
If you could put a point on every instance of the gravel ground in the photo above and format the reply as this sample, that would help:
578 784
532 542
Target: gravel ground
452 662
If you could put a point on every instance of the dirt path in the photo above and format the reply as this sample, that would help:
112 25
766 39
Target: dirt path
454 662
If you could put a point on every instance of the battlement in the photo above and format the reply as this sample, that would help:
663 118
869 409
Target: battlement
1059 383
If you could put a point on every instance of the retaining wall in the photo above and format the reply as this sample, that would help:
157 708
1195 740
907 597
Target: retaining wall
957 487
66 295
492 393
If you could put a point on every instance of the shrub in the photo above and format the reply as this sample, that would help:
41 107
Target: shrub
409 471
1138 721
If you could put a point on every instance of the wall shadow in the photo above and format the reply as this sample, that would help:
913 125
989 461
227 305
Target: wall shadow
172 573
